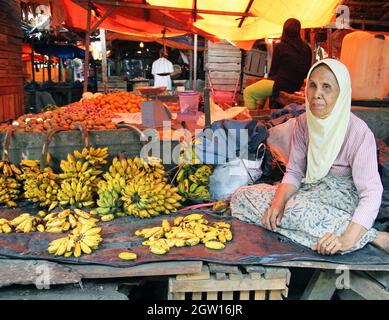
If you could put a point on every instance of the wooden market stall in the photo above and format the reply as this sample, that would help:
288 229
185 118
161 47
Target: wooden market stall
11 68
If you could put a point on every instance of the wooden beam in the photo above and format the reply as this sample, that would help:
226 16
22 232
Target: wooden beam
146 6
86 58
246 11
98 23
146 12
103 60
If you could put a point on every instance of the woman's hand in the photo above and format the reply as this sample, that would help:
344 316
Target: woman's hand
272 217
330 244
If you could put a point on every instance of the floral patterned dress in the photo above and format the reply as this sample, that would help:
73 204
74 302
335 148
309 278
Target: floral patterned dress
317 208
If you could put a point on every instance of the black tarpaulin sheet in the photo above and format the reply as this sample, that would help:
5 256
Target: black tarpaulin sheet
250 245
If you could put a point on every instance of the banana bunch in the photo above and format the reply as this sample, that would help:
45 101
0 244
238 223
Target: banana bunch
96 157
40 186
76 193
10 170
10 176
5 226
25 223
58 222
81 170
109 192
192 181
83 239
187 153
186 231
152 169
144 199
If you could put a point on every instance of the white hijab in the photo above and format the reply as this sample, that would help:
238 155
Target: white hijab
326 135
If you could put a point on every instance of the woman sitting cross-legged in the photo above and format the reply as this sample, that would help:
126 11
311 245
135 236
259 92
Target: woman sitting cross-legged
331 192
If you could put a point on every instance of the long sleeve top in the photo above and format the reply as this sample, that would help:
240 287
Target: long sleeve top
289 67
357 157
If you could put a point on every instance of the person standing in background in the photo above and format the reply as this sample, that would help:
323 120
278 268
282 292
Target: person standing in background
162 69
290 64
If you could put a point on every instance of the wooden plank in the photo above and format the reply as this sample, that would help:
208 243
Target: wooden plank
367 287
244 295
216 59
275 295
148 269
223 67
203 275
227 74
260 295
227 295
227 285
211 295
381 277
255 275
178 296
321 286
259 269
196 296
25 272
328 265
221 276
214 268
223 53
224 81
349 295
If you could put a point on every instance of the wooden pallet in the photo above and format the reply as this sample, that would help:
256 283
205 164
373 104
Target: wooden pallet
222 282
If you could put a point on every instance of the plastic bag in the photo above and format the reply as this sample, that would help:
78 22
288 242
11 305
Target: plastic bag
231 175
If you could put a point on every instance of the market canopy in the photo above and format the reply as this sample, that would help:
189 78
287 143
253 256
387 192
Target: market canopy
235 20
267 20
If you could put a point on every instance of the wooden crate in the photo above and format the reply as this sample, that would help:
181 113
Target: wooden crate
223 63
114 84
255 62
222 282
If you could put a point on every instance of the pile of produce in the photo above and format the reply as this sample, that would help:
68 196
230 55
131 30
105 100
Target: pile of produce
40 186
56 222
96 113
10 176
116 102
192 181
81 176
136 187
186 231
83 239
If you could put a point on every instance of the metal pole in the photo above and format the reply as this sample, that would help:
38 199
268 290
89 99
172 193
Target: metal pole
195 63
104 59
86 60
191 69
207 108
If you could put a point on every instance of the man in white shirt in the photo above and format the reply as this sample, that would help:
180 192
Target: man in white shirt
162 69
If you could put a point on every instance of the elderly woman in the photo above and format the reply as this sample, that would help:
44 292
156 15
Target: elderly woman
331 192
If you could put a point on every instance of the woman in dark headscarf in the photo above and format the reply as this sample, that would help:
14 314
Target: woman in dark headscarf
290 64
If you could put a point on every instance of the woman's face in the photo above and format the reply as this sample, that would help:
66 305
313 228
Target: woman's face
322 91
